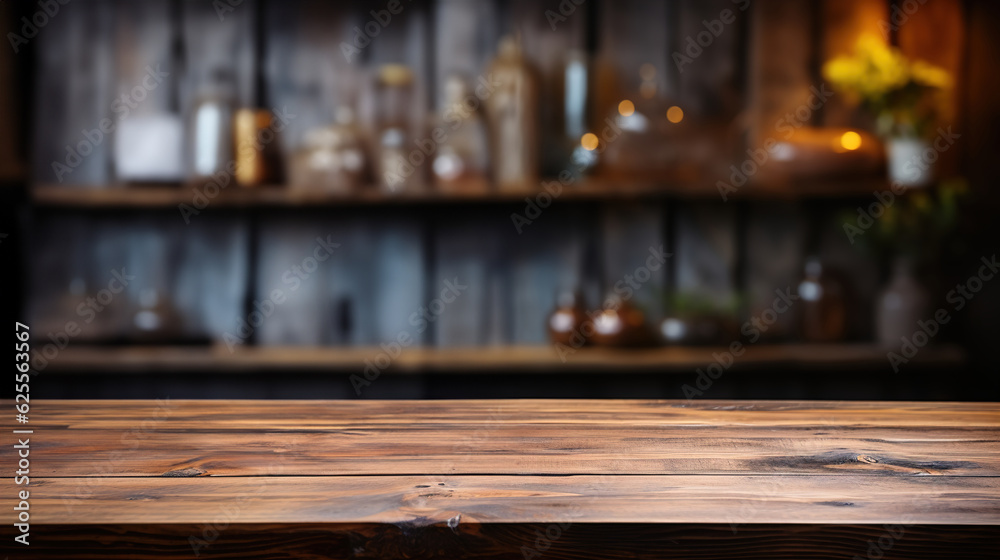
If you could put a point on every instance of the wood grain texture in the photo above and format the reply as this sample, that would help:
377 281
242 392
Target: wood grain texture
303 414
556 448
492 478
284 497
552 437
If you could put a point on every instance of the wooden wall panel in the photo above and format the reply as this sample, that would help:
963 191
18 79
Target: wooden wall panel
76 72
364 294
399 280
57 259
936 33
709 86
198 268
864 273
143 38
213 42
209 273
780 73
307 69
630 234
467 249
547 259
706 250
776 240
308 315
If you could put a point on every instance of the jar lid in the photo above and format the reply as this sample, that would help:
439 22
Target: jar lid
395 75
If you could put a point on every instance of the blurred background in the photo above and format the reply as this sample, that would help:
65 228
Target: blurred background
502 198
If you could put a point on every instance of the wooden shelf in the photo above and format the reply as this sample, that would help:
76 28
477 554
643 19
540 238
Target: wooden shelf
218 359
170 196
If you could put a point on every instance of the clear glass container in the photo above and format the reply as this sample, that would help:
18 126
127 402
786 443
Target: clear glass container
512 111
210 131
332 159
461 160
398 166
823 310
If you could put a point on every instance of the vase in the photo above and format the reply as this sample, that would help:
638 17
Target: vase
565 321
620 324
823 311
910 161
900 305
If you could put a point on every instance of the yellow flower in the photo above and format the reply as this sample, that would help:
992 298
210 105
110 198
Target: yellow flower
930 75
886 67
844 71
887 83
891 71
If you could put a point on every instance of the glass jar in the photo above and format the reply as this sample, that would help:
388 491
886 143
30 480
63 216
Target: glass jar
397 167
331 159
211 139
565 320
461 159
823 311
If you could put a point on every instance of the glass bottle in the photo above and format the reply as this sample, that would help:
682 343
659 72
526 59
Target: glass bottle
156 319
512 111
211 139
258 158
394 98
576 94
823 310
461 160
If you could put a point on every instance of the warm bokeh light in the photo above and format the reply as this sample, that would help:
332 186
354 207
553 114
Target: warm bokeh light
626 108
850 140
675 114
589 141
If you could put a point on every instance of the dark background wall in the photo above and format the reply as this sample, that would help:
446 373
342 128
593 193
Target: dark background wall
394 257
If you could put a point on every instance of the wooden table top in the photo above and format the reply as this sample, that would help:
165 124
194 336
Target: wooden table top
502 461
509 479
